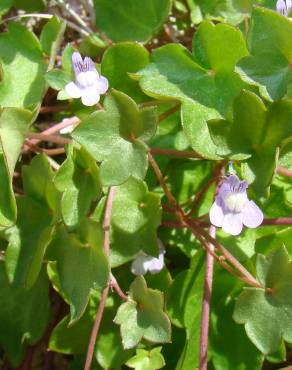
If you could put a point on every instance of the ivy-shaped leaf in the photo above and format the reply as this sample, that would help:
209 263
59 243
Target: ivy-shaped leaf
115 138
256 134
147 360
78 180
269 65
14 124
267 313
205 81
121 59
81 265
69 339
142 316
136 216
29 238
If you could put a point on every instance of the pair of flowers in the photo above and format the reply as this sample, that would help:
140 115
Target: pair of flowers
231 209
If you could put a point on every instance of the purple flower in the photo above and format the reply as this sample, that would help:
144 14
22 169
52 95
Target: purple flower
143 262
232 209
284 6
88 85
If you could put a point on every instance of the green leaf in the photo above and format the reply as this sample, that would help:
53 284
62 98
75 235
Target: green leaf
14 124
24 315
204 81
147 360
269 65
57 79
5 6
78 180
114 137
30 5
121 59
142 316
29 238
50 32
268 326
129 21
184 308
108 348
134 202
229 347
81 264
255 134
23 67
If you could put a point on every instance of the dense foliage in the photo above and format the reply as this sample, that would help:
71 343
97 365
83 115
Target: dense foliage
108 172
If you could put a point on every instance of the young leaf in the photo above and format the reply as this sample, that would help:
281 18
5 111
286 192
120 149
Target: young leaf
142 316
204 81
114 137
147 360
129 21
267 313
134 202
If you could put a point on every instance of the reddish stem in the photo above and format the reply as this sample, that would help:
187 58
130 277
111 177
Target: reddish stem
176 153
106 248
206 305
284 172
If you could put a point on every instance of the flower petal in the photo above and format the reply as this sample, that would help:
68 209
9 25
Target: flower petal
73 90
155 265
77 63
252 215
232 223
138 265
216 213
90 96
102 85
89 65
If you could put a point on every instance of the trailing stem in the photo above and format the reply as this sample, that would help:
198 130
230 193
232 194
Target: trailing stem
106 248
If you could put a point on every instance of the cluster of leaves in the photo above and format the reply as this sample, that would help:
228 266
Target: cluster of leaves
223 94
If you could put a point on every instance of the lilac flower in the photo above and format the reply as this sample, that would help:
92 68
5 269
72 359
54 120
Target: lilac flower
143 262
284 6
232 209
88 85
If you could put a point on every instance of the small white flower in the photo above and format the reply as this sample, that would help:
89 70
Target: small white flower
232 209
283 7
143 262
88 85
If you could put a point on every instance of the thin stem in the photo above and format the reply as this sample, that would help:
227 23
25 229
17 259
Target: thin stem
231 259
277 221
106 248
168 113
167 192
115 285
206 305
46 137
74 15
200 195
95 328
176 153
284 172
